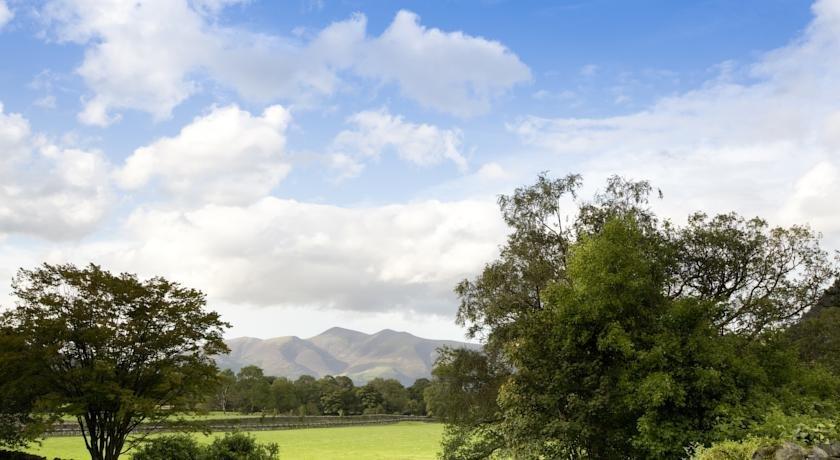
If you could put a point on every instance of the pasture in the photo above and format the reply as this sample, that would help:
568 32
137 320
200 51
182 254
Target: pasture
400 441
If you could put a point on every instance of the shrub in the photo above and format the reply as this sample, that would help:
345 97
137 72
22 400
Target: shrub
13 455
174 447
731 450
239 446
801 429
232 446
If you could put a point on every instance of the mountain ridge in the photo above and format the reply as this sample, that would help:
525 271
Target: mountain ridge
340 351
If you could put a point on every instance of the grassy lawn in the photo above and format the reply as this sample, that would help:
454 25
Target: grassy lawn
403 441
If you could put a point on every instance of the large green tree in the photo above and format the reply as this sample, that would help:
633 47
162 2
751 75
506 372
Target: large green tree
112 350
625 373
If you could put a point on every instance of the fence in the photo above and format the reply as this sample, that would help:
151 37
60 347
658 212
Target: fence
280 422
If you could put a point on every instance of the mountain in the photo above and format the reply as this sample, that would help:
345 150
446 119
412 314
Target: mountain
339 351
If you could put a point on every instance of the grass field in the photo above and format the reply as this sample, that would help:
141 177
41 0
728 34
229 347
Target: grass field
401 441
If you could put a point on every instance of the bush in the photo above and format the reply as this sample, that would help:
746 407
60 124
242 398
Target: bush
801 429
13 455
232 446
239 446
731 450
174 447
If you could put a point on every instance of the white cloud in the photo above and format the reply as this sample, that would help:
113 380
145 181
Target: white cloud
139 54
279 252
814 200
346 166
376 132
152 55
448 71
492 172
6 14
749 146
47 190
227 156
265 67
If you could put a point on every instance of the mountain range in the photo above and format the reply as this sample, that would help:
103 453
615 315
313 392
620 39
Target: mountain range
339 351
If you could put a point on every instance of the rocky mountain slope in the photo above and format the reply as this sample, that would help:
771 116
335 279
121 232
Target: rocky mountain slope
338 351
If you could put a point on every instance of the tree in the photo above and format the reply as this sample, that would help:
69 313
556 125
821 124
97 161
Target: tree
225 390
613 368
338 396
113 351
252 389
284 394
816 335
309 394
20 389
732 282
394 395
371 400
463 394
416 403
760 278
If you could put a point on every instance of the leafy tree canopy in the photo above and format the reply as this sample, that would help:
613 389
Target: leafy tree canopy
625 335
112 350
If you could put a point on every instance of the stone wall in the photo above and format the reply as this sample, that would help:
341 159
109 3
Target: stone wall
790 451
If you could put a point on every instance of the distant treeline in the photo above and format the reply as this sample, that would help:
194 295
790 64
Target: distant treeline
250 391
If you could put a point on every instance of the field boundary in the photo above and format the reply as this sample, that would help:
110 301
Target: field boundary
267 423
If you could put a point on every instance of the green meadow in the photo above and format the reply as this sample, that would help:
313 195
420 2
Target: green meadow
400 441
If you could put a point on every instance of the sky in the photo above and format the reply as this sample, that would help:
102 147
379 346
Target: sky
318 163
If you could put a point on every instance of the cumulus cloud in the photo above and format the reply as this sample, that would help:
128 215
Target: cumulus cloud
448 71
139 53
814 200
47 190
376 132
151 55
765 145
279 252
6 14
227 156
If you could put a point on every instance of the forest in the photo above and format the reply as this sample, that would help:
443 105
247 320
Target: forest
249 391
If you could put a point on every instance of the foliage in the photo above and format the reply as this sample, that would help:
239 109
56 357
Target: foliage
225 390
463 394
394 395
170 447
20 423
285 399
239 446
250 391
802 429
760 278
231 446
464 387
113 351
732 450
534 255
338 396
470 443
816 334
626 335
11 455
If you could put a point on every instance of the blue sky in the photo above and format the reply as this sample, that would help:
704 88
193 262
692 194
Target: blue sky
320 163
